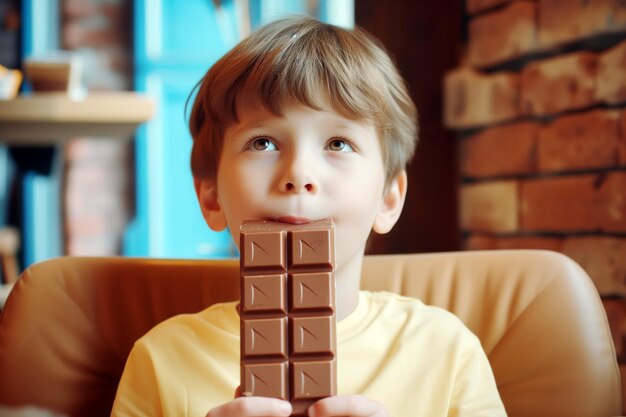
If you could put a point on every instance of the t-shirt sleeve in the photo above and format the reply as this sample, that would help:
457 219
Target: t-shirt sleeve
475 392
137 392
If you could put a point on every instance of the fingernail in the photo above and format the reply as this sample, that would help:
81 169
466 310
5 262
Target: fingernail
285 408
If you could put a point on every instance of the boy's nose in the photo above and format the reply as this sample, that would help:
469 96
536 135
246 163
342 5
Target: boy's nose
297 179
296 187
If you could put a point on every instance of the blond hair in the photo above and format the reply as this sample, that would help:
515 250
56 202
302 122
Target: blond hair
315 64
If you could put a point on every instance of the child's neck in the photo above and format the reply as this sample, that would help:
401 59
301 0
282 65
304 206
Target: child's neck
348 280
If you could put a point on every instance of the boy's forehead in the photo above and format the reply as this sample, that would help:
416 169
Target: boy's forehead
251 106
255 114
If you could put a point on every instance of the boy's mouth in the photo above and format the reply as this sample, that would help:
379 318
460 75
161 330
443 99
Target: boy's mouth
292 220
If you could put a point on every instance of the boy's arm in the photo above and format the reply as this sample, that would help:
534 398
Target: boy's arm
475 392
137 393
475 395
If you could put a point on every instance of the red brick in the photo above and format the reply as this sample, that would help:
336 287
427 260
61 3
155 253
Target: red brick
613 211
475 6
113 59
76 9
95 245
489 206
604 259
477 241
504 150
482 242
565 21
100 79
580 141
118 14
97 183
75 36
611 84
97 14
97 180
622 139
96 151
473 99
503 34
85 225
558 84
106 175
83 177
590 202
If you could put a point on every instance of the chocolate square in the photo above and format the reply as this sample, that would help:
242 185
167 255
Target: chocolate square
264 293
312 291
263 250
311 248
312 335
265 379
265 337
313 379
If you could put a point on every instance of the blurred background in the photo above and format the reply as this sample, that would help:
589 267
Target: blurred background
522 143
107 196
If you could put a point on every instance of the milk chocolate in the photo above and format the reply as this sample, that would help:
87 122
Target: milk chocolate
287 308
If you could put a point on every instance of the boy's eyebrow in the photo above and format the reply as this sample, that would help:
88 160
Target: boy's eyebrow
259 125
348 124
342 124
242 128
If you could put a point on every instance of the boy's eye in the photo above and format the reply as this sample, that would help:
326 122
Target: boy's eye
262 144
339 145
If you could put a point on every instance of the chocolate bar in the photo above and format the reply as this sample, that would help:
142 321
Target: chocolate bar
287 309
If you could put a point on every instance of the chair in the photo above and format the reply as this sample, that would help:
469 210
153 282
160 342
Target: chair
69 323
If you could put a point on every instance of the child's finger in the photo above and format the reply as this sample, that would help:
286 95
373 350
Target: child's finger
347 405
252 407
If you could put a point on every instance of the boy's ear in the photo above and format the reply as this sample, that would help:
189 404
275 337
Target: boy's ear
206 191
391 205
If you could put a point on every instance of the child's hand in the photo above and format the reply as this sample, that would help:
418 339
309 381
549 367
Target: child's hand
348 406
337 406
252 407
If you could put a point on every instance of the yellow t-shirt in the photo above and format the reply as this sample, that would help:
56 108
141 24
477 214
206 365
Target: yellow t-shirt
415 359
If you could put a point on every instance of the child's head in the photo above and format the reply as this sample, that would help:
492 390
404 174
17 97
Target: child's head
315 64
304 121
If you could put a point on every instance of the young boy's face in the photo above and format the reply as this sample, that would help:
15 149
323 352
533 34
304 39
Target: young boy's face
304 166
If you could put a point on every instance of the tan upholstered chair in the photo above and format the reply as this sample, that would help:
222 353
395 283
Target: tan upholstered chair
69 324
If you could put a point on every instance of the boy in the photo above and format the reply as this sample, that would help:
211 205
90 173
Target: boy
304 121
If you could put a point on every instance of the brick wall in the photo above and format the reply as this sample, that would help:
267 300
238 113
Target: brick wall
539 104
98 174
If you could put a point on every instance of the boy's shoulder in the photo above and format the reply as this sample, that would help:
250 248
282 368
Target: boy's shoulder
385 302
415 317
221 318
